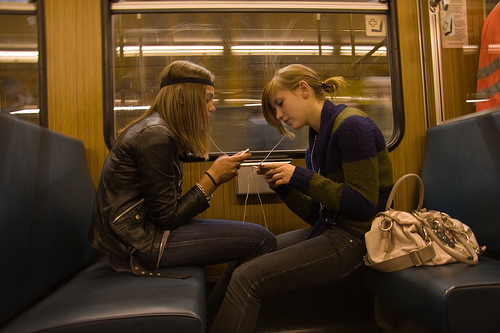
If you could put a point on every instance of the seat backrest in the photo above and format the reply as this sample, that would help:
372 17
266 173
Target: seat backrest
46 201
461 173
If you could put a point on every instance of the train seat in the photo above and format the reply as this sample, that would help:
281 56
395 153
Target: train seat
52 280
461 174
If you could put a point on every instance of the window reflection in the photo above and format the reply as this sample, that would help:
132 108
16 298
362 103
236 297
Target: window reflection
19 70
243 50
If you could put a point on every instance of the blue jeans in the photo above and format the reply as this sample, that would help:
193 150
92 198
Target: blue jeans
298 263
208 242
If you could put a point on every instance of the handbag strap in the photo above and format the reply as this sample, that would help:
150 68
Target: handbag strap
416 257
469 258
396 185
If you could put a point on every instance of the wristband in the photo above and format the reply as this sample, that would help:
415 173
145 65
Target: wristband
211 178
208 197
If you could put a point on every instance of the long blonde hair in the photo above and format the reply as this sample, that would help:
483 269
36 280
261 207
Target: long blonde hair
184 107
288 78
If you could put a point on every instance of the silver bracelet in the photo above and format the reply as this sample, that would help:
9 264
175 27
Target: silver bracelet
208 197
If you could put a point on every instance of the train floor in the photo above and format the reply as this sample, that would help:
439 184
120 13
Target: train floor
343 309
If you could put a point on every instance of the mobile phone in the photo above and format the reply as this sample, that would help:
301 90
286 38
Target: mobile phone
262 169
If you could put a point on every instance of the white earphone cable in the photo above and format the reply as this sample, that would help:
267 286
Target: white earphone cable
248 182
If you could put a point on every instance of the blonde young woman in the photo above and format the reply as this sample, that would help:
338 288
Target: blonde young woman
141 217
346 181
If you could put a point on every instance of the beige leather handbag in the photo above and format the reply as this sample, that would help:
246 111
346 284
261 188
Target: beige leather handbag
399 239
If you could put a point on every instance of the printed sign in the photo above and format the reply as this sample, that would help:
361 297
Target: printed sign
376 25
454 30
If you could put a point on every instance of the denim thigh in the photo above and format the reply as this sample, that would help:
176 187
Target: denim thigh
212 241
326 259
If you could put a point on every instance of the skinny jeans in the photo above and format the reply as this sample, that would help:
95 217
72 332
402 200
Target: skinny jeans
298 263
212 241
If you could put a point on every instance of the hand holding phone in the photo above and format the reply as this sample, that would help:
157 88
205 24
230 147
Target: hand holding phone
277 173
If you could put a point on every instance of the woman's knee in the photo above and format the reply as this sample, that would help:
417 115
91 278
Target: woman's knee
266 240
245 280
270 242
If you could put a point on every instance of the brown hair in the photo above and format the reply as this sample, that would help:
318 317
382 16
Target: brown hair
183 106
288 78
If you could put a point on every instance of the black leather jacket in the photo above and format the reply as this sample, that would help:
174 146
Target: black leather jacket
139 196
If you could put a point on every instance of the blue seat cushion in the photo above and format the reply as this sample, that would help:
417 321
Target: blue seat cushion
101 300
461 174
450 298
46 204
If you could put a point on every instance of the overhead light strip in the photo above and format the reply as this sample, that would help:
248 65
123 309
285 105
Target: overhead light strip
193 50
18 56
25 111
360 50
18 7
162 50
281 49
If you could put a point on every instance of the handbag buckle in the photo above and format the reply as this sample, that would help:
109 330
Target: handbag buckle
385 224
415 257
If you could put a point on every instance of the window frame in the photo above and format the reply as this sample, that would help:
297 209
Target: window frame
35 7
387 7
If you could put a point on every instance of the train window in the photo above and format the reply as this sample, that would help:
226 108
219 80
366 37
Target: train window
460 59
20 72
243 43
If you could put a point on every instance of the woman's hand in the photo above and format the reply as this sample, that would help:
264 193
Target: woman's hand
226 167
277 174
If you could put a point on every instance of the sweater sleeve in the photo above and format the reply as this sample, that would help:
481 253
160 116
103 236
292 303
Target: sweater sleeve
302 205
351 185
361 147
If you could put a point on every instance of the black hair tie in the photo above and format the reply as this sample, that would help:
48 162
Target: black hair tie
178 80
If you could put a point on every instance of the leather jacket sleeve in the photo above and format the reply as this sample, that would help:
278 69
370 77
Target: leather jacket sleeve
160 172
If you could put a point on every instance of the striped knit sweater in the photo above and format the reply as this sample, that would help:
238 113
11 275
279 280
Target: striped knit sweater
348 172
